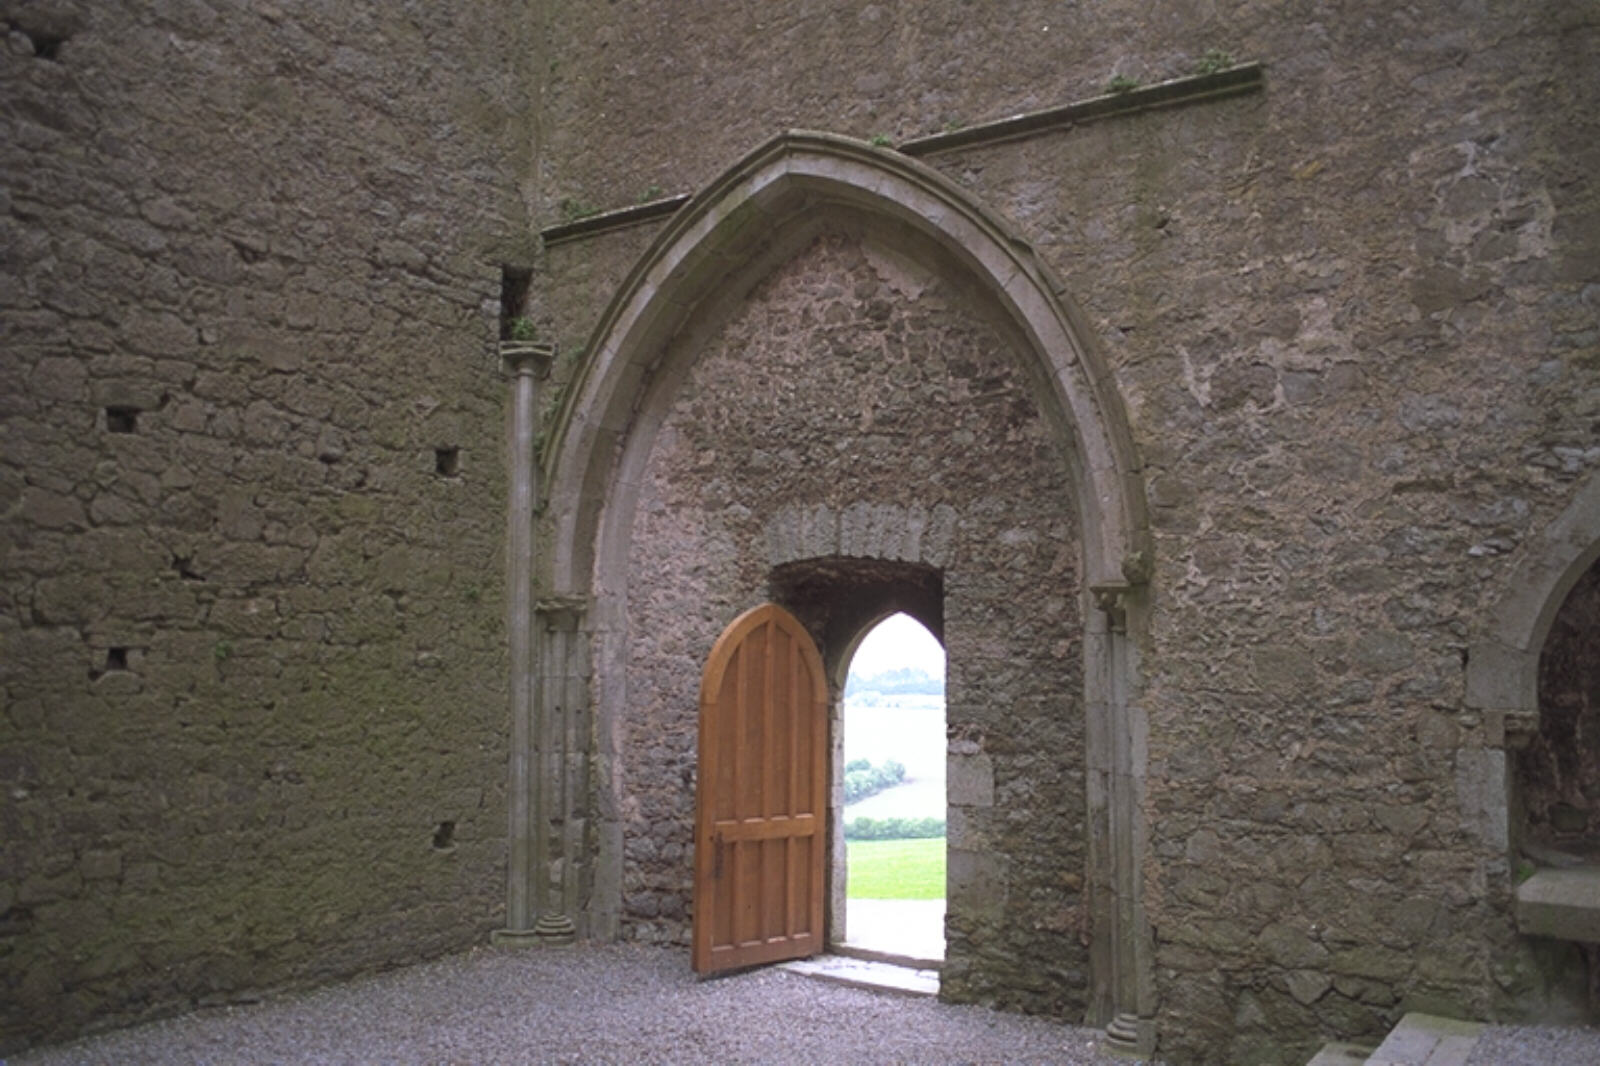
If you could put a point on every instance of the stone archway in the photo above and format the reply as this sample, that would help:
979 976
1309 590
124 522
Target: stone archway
1551 903
720 244
1503 662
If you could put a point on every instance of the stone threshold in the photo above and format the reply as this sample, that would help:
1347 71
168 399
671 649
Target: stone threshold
1238 79
913 962
1416 1040
866 973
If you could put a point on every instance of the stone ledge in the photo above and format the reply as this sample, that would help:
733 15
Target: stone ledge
1561 904
619 218
1244 78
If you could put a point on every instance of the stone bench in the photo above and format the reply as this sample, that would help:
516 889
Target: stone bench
1563 904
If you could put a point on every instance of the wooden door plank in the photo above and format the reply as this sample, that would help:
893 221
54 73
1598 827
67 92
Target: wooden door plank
758 827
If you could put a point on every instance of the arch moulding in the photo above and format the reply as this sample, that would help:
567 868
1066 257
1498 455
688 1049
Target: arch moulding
602 432
1503 662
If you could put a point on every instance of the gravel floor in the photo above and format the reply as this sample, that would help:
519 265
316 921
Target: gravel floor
611 1004
636 1005
1507 1045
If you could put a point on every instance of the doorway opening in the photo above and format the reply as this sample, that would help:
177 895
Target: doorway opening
1558 770
1556 809
893 786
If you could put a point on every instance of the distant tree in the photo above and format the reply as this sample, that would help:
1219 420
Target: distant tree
893 828
862 779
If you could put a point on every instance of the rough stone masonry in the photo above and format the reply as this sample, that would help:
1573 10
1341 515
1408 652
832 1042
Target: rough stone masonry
254 685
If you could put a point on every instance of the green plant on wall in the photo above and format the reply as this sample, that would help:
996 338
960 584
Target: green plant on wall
881 140
1214 61
1121 83
573 209
519 329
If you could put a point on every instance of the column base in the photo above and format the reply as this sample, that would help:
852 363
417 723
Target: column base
1129 1034
514 938
555 930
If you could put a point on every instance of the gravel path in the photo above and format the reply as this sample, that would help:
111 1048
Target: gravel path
1544 1045
593 1004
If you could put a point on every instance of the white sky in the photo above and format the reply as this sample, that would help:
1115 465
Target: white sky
898 641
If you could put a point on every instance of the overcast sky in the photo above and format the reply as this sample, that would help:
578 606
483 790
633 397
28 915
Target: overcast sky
899 641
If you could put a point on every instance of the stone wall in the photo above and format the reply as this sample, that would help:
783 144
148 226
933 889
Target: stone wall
1352 318
252 707
856 381
251 619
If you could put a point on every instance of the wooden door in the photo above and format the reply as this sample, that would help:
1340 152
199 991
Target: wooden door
761 800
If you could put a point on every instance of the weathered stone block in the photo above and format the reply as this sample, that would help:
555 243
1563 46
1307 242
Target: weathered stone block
971 780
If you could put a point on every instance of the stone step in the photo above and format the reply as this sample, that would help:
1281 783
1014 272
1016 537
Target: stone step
910 962
1341 1055
1427 1040
867 973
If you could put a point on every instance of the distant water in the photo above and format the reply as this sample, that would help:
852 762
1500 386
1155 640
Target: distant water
910 729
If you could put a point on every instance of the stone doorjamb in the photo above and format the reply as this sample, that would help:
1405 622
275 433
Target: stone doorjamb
720 241
1502 681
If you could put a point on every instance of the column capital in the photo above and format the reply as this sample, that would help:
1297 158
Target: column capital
527 358
561 612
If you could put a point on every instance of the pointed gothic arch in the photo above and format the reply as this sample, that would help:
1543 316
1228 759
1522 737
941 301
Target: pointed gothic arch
1503 660
1502 676
722 241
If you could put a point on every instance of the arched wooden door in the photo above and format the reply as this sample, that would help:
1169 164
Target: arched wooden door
761 801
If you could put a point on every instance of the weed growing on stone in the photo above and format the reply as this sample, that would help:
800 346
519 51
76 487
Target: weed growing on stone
222 650
1214 61
1122 84
881 140
520 329
654 192
573 209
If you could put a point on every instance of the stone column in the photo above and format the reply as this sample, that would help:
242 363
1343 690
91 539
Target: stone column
561 757
1131 1029
528 365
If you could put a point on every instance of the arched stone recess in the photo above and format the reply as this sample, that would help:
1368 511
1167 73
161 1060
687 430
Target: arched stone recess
1503 661
714 251
1552 901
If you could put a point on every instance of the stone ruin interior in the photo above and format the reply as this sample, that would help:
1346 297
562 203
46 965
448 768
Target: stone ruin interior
398 400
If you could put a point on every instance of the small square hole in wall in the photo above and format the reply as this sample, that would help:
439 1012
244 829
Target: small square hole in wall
447 462
444 837
46 47
116 659
122 419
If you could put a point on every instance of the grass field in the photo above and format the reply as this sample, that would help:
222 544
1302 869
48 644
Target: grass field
896 869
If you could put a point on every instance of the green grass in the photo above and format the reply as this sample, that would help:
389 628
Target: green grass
896 869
